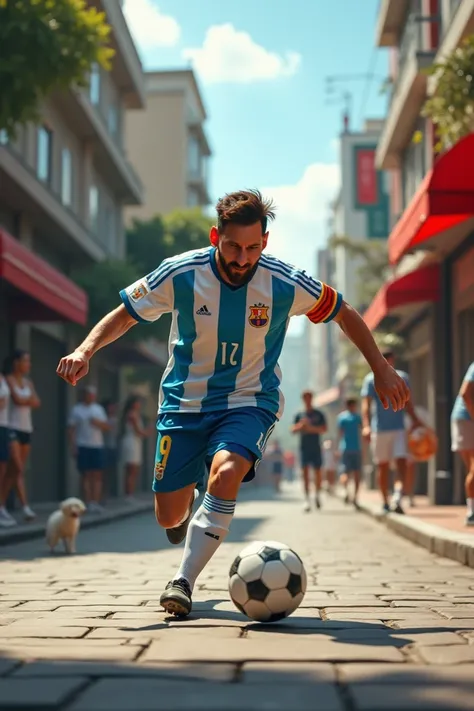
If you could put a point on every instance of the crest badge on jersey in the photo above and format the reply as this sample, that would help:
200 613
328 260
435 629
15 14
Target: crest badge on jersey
140 291
159 471
258 317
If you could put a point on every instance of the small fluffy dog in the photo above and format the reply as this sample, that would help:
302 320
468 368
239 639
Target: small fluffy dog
64 524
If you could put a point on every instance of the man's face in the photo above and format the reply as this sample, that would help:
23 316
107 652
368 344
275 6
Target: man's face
352 406
239 250
308 400
90 396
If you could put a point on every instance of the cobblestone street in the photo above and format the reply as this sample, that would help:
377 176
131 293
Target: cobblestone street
384 624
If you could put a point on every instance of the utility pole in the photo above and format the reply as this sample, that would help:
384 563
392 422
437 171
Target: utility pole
337 93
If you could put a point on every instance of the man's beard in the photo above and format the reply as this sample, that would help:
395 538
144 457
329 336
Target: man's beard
234 273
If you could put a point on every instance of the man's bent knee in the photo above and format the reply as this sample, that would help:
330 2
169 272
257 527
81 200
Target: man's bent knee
227 471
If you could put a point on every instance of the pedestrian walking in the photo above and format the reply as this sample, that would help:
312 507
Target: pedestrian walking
462 435
132 434
349 424
310 424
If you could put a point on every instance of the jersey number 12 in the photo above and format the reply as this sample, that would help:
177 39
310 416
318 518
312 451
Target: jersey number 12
228 351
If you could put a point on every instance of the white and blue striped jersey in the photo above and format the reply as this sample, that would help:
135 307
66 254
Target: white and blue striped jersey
225 341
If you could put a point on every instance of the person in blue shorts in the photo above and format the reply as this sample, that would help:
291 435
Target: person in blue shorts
349 424
219 395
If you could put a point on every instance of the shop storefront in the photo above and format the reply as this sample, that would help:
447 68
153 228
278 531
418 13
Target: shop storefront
37 303
439 221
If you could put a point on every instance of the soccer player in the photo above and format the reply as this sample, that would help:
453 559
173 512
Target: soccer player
219 395
309 424
349 424
462 435
385 429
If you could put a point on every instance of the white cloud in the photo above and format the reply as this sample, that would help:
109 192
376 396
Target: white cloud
299 229
229 55
149 27
302 212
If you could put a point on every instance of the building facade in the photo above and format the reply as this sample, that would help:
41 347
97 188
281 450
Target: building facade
168 145
360 213
63 186
430 300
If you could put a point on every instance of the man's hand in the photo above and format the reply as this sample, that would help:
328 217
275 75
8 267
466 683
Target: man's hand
391 388
73 367
366 432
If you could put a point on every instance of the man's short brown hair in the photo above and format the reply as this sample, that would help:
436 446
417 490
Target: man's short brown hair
244 207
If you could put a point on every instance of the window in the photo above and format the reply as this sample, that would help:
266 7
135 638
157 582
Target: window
110 237
193 198
413 167
43 154
94 208
94 86
194 157
3 137
112 120
66 177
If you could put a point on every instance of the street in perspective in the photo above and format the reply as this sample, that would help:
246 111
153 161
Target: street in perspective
384 624
236 355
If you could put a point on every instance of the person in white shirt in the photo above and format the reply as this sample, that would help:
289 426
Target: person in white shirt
5 441
132 434
87 423
23 400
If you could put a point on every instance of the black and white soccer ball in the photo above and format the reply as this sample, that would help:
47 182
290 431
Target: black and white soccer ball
267 581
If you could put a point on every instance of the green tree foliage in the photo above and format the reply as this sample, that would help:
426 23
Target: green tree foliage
148 243
102 283
451 103
46 45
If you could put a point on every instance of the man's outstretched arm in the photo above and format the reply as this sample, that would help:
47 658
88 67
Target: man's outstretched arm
390 387
75 366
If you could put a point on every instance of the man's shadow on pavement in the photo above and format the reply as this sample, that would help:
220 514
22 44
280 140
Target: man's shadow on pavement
369 633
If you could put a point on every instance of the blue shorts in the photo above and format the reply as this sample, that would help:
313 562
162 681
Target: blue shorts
352 461
311 458
187 443
90 459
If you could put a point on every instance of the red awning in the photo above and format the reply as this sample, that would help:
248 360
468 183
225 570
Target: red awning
46 294
444 199
417 287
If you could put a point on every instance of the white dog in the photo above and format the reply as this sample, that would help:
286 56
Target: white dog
64 524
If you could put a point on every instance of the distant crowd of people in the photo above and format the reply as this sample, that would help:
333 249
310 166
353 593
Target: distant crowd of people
386 431
102 437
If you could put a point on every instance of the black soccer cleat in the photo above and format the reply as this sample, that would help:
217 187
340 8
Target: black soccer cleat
176 599
178 534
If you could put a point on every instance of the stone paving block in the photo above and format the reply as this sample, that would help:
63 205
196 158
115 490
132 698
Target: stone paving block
407 674
438 625
42 694
299 648
285 627
454 614
372 697
151 695
287 673
215 672
102 653
17 630
455 654
389 636
429 605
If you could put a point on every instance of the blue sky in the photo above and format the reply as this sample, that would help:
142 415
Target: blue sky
262 68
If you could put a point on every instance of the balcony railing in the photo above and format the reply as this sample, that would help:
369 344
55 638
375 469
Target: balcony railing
412 42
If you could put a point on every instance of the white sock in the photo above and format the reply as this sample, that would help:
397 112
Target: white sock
470 506
397 494
207 529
